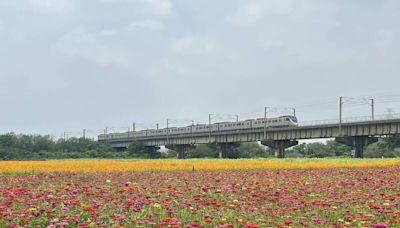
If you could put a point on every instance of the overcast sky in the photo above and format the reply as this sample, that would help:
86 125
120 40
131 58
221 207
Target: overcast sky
66 65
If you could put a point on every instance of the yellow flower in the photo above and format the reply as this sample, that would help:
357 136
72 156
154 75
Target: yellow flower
156 205
173 165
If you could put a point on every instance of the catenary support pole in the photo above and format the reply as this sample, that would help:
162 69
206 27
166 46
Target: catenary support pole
372 109
209 128
167 132
340 115
133 130
265 123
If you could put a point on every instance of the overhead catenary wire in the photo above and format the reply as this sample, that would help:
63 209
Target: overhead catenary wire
328 104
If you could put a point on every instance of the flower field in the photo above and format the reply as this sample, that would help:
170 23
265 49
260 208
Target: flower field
187 165
334 193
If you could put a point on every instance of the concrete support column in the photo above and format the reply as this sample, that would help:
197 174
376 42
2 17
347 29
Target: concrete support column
279 146
180 149
357 142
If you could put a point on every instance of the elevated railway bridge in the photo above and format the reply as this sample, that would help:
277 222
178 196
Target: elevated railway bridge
357 133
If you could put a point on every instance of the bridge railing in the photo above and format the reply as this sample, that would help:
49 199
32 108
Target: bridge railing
351 120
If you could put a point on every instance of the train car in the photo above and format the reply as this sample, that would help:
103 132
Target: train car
282 121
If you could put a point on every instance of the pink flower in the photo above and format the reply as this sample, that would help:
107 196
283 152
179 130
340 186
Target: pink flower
316 219
64 209
304 223
379 225
63 223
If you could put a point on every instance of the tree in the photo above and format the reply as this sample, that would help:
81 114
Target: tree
8 140
298 151
316 150
138 149
202 151
251 150
378 150
338 149
393 141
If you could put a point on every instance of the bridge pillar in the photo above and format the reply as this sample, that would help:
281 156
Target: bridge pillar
357 142
180 149
279 146
225 148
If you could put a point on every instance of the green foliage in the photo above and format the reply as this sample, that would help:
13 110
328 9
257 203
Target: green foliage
37 147
251 150
387 146
137 149
338 149
202 151
320 150
379 149
234 150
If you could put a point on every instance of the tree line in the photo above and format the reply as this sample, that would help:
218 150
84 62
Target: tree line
38 147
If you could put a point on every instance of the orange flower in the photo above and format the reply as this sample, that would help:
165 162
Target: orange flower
87 208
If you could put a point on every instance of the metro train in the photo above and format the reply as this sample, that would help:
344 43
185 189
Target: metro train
278 122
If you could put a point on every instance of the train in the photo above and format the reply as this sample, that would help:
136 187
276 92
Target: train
278 122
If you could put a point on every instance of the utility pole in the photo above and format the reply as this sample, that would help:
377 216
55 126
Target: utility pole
84 133
237 118
65 136
265 123
157 126
372 109
294 111
340 115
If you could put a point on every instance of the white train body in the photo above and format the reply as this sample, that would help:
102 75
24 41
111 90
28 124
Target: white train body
282 121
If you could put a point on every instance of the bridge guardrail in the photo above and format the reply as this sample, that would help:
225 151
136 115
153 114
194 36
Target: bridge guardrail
350 120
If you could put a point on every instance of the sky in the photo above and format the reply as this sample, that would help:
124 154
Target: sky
68 65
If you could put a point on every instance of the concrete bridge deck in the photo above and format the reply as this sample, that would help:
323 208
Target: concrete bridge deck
357 134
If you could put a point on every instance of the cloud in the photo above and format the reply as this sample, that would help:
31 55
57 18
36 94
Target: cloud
152 25
51 5
385 40
92 47
251 13
109 32
159 7
195 45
